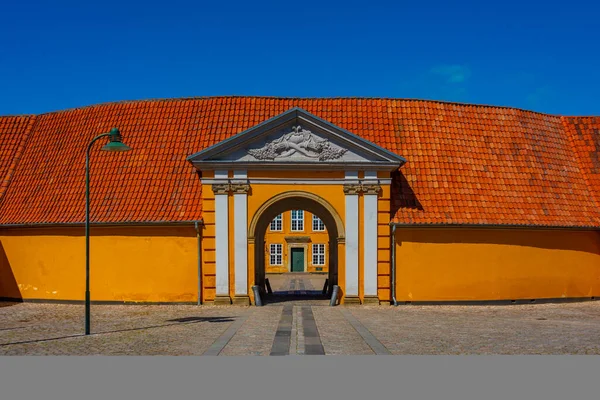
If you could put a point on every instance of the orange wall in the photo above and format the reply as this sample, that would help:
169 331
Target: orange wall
477 264
316 237
146 264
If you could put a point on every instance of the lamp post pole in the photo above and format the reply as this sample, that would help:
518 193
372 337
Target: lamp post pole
115 144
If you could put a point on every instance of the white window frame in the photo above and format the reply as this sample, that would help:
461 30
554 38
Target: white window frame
319 222
276 254
299 220
316 255
277 222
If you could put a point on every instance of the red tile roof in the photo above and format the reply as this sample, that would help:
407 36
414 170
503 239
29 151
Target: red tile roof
584 133
13 137
467 164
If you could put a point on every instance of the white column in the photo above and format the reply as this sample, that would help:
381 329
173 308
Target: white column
351 190
370 191
221 191
240 221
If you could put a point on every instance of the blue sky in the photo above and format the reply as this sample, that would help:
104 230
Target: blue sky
538 56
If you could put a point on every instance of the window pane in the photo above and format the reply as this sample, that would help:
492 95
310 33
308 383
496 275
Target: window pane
318 254
276 223
317 224
276 256
297 220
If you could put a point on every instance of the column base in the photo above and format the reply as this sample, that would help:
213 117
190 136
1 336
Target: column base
241 301
351 300
222 300
371 301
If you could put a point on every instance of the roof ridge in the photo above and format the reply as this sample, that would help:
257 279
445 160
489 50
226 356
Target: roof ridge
433 101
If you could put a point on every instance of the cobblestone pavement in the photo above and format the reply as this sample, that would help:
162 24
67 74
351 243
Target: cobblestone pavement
50 329
568 328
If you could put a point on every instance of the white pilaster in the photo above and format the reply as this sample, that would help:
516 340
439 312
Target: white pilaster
351 195
370 233
240 215
222 234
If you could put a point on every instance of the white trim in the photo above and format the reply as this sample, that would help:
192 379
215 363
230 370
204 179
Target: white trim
221 174
370 176
306 181
351 244
240 232
351 175
370 244
240 174
222 244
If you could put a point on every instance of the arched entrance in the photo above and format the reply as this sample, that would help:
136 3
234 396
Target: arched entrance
296 200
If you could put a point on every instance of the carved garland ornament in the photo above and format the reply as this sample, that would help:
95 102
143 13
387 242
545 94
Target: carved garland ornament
220 188
298 141
358 188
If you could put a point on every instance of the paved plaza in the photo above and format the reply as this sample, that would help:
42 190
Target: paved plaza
292 324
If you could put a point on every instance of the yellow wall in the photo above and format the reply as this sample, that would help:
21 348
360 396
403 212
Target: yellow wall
477 264
145 264
316 237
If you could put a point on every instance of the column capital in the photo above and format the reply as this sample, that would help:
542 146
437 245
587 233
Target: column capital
372 188
221 188
240 188
351 188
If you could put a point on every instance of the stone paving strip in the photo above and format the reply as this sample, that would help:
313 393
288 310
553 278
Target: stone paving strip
312 340
572 328
300 343
337 334
294 338
367 336
281 344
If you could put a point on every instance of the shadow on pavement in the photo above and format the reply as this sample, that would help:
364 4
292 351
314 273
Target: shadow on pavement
180 321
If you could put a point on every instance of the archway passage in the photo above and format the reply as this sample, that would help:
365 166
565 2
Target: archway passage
315 205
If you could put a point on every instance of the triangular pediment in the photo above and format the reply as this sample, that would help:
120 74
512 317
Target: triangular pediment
296 139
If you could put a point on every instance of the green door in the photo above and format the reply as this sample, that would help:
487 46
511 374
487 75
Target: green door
297 260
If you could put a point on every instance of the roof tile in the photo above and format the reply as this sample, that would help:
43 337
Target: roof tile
467 164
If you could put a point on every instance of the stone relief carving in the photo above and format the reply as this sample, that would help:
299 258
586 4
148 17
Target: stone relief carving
240 188
352 188
371 189
221 188
298 141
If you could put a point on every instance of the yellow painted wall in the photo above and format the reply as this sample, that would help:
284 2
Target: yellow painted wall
139 264
316 237
478 264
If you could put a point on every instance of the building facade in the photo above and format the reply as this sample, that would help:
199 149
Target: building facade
421 201
296 241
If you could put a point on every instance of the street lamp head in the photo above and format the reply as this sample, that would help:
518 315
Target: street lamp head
115 143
